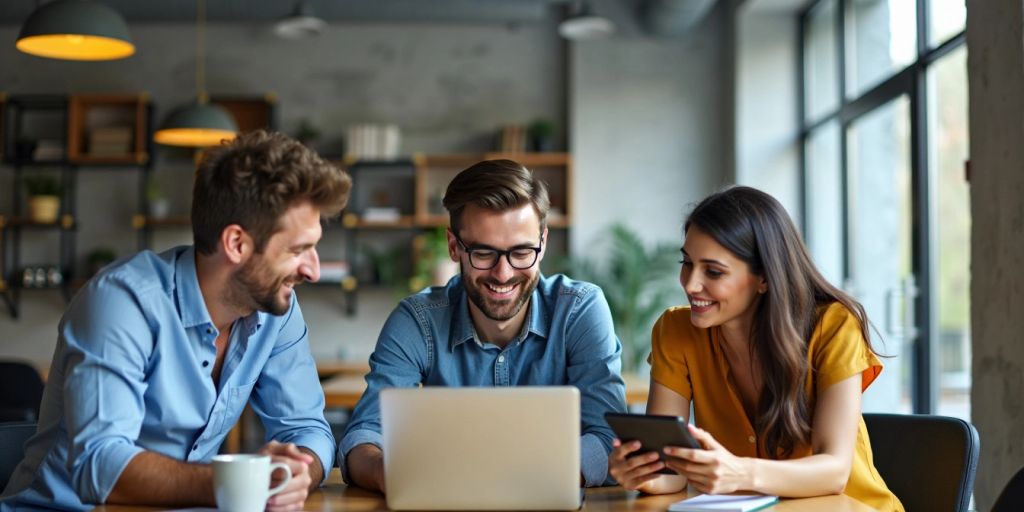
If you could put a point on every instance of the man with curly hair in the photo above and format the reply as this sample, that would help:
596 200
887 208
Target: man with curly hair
158 355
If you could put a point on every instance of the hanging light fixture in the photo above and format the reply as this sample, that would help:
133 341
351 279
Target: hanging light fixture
199 124
75 30
300 23
582 24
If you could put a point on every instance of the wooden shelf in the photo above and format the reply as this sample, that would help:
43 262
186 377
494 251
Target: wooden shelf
432 221
467 159
90 112
38 163
142 221
353 221
433 172
348 162
64 222
132 159
559 222
249 112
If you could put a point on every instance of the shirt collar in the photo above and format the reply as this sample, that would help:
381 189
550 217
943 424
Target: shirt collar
191 306
538 320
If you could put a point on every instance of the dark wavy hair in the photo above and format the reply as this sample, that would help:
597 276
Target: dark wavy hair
252 180
754 227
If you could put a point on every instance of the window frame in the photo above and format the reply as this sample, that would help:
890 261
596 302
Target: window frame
912 81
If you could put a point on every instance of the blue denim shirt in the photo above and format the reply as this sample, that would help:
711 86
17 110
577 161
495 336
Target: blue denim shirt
568 339
132 372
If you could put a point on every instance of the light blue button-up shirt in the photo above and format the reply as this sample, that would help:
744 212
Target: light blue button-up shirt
132 372
568 339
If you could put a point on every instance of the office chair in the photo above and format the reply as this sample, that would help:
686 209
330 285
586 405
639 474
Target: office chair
12 447
21 390
1012 497
929 462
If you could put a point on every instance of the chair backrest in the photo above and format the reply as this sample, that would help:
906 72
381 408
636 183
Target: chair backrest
21 390
1012 497
929 462
12 447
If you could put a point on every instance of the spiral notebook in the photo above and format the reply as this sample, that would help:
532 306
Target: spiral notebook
724 502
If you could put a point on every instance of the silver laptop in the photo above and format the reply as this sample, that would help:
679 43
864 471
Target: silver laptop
481 448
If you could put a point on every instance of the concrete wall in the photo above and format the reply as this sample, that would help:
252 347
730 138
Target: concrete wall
767 130
646 125
996 78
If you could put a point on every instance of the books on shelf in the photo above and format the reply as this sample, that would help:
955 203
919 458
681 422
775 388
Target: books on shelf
371 141
381 214
110 140
48 149
513 138
724 502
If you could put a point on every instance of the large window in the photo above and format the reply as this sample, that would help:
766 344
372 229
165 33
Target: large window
884 113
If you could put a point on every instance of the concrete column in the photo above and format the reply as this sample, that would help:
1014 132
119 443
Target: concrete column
996 71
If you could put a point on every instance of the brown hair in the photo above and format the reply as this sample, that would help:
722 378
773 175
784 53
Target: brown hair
754 226
252 180
497 185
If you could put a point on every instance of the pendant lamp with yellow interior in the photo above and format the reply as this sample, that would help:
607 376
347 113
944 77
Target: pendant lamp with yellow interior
198 124
75 30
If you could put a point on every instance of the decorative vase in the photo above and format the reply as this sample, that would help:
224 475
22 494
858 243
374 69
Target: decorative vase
43 209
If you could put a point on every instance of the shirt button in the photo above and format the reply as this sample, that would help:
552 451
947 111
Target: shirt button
209 331
501 359
751 439
206 363
195 447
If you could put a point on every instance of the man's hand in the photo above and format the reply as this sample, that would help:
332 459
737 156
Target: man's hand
366 467
292 497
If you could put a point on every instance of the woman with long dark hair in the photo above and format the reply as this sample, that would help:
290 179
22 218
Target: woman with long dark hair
772 358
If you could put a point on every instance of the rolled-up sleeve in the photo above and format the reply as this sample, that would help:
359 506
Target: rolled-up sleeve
106 341
400 359
288 397
595 367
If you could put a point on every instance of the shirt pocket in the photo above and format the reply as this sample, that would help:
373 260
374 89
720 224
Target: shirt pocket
235 398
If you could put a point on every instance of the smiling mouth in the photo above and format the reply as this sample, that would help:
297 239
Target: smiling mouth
505 289
701 303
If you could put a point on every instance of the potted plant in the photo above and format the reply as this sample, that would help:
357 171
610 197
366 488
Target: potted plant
639 283
43 198
434 267
541 132
307 133
99 258
159 205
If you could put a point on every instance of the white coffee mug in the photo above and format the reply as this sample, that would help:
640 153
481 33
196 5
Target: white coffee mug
242 482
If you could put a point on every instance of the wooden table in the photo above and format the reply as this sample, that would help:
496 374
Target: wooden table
329 369
336 496
344 390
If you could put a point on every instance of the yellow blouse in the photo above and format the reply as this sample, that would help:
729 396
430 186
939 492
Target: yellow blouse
690 361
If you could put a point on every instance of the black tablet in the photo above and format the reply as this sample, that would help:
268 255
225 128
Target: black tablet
653 432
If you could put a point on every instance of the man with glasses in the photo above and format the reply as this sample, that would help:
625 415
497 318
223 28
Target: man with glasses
499 323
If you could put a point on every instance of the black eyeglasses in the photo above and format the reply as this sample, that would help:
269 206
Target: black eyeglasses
486 258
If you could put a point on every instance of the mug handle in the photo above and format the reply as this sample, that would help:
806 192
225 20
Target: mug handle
288 477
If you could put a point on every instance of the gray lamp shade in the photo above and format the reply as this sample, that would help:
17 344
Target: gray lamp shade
196 125
582 24
75 30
